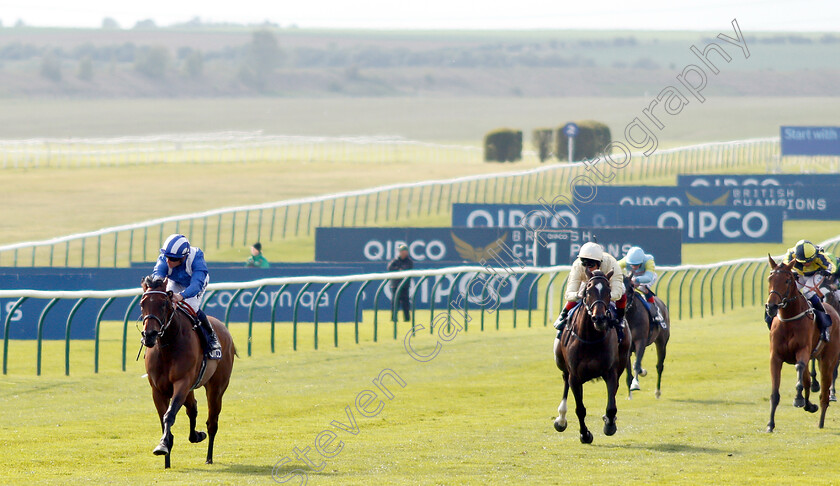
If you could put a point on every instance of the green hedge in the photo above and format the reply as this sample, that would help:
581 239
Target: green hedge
543 140
503 145
592 137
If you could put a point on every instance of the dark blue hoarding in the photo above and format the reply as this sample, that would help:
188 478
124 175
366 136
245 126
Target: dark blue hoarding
495 246
810 140
797 202
707 224
752 180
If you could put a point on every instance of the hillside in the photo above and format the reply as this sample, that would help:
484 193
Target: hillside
207 61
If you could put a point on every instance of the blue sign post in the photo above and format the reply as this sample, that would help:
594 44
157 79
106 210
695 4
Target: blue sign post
571 130
810 140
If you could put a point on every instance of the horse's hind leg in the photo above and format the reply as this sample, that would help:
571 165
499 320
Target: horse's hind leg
804 384
826 376
580 410
629 377
832 397
192 412
560 422
214 408
661 351
815 385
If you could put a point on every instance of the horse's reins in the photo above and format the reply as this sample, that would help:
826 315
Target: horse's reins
784 301
163 325
589 310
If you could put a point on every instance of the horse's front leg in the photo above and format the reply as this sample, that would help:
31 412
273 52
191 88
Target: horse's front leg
580 410
612 409
161 404
775 381
637 368
180 391
560 422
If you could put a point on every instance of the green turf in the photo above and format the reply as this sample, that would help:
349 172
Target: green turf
480 412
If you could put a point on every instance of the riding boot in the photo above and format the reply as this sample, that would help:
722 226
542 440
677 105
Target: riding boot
560 323
214 348
619 323
768 319
823 320
619 315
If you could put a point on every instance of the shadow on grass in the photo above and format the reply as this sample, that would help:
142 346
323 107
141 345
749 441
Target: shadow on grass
668 447
257 469
710 402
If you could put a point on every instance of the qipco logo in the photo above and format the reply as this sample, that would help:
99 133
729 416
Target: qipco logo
649 201
729 181
732 224
512 218
418 250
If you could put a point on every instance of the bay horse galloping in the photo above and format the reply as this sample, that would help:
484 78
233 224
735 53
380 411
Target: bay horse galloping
589 348
176 365
794 338
645 332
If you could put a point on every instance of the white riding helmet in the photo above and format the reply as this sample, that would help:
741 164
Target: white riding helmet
592 251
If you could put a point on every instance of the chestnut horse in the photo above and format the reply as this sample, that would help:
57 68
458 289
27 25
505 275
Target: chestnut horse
587 349
644 334
176 365
794 338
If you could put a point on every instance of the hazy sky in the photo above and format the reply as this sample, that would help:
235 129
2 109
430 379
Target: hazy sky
812 15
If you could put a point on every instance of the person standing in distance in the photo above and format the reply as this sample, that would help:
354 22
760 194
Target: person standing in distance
257 259
402 262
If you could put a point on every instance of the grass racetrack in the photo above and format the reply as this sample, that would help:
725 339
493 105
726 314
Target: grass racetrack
480 412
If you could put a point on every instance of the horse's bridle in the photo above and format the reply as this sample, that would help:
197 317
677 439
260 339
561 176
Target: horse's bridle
590 308
784 301
163 325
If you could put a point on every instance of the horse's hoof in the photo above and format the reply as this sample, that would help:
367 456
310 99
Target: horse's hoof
815 386
643 373
586 438
208 461
811 407
832 397
198 437
161 450
770 429
634 386
609 427
799 402
658 393
560 426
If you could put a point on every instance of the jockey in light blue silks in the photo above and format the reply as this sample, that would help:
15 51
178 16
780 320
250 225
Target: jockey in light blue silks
641 268
187 276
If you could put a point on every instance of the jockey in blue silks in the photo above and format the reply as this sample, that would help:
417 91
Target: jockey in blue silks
642 270
187 276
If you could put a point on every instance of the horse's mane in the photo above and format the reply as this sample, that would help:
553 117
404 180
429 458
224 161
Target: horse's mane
152 282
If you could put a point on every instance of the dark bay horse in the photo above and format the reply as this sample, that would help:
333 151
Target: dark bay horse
176 366
794 337
589 349
644 334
